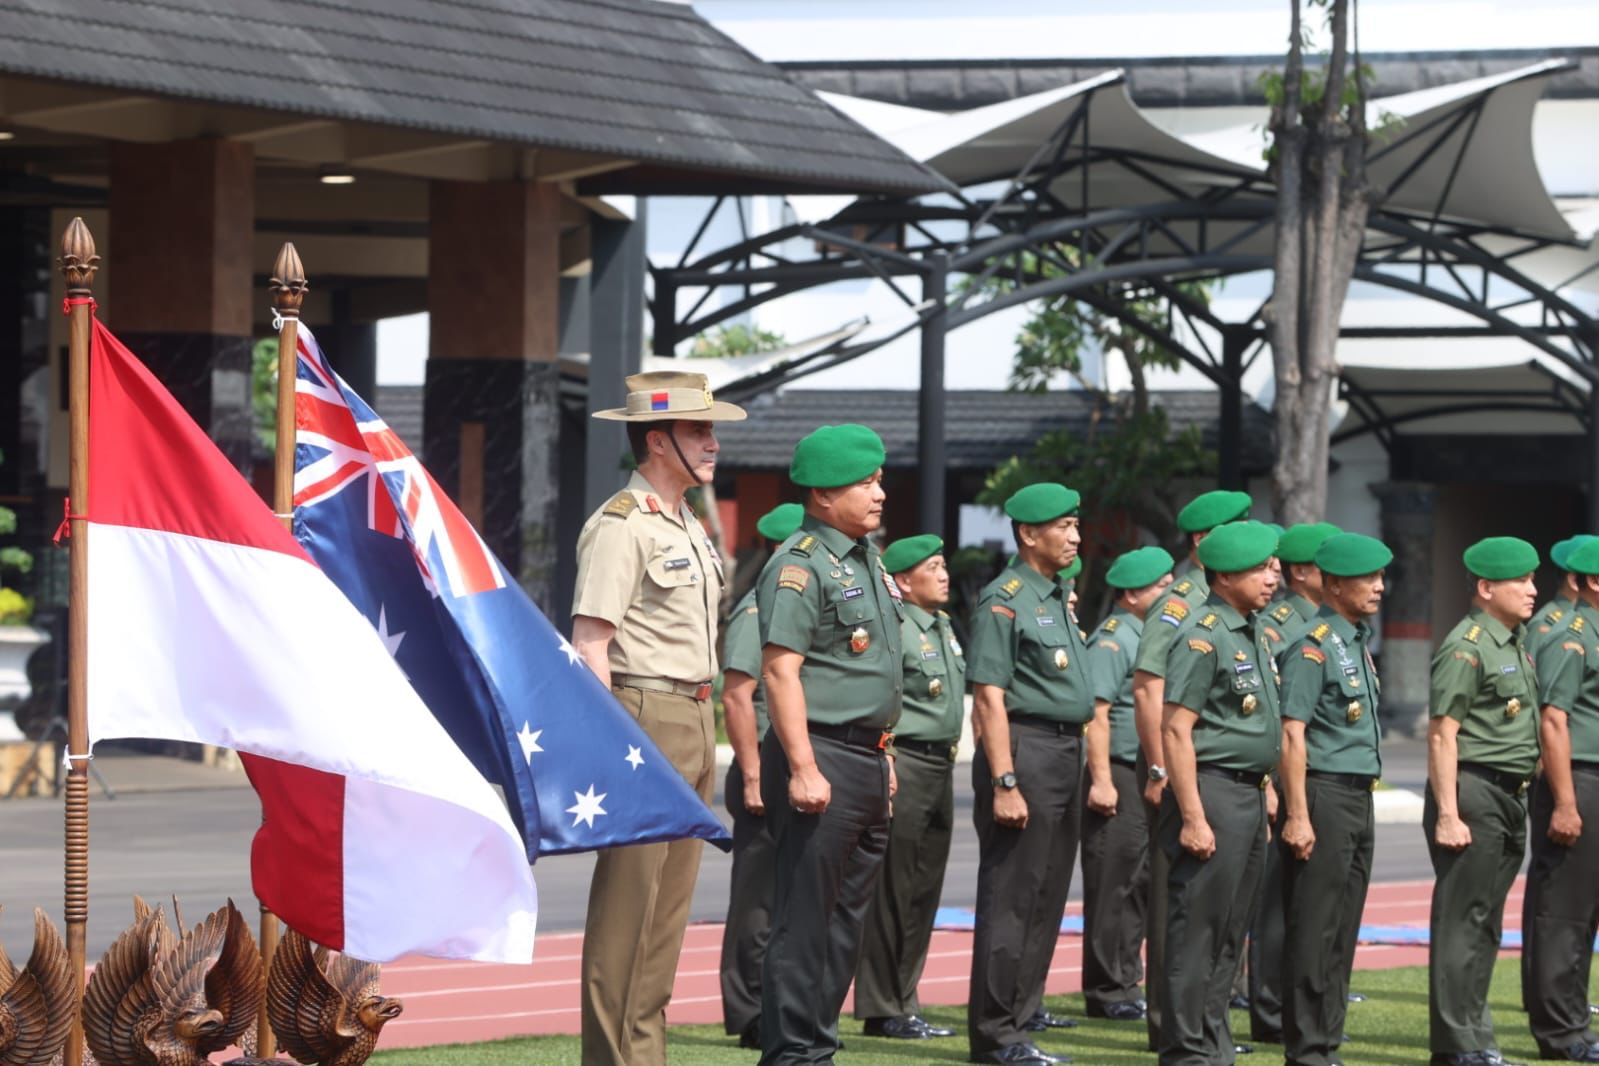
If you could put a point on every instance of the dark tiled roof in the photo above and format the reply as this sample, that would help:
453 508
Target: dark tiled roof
982 428
639 79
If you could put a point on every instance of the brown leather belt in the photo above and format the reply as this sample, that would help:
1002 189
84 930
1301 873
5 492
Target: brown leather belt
694 690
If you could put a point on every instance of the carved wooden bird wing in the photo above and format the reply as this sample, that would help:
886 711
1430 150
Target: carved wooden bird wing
235 984
119 994
178 982
38 1005
311 1018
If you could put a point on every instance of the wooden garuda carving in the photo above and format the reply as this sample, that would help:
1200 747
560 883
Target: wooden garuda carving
325 1010
38 1003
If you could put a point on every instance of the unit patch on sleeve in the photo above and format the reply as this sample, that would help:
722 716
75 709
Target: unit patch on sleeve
793 577
1315 655
1174 612
1000 608
1572 645
1204 647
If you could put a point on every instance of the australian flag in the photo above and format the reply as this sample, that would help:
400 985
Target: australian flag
577 771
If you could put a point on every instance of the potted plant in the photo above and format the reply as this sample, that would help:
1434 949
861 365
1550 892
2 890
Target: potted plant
18 639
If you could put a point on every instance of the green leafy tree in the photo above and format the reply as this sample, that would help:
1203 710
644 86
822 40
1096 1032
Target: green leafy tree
15 608
720 342
264 391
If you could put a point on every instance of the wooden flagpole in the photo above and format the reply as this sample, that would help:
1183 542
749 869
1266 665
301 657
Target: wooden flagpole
288 292
78 266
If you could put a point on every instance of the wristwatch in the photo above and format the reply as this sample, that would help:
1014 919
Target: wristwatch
1005 780
1157 773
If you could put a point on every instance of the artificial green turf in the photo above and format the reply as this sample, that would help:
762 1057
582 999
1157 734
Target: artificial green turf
1389 1029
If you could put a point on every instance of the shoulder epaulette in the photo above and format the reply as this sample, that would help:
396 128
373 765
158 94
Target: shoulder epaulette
804 545
1183 587
622 504
943 614
1283 613
1110 624
1319 632
1472 635
1576 624
1010 588
1209 621
1556 615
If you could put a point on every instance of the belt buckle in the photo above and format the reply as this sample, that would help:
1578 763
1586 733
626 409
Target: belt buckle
954 752
1521 788
885 742
1262 784
703 691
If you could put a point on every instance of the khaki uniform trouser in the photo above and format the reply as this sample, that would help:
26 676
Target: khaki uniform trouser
639 901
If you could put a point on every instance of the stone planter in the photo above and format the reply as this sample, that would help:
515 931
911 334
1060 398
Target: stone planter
17 643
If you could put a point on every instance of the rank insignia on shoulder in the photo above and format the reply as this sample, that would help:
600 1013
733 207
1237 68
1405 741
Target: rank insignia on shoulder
1283 613
1174 612
1556 615
1110 625
1209 621
1204 647
752 610
1000 608
793 577
1473 634
804 545
943 614
1572 645
1314 655
1576 624
1183 587
653 504
1011 587
1319 632
622 505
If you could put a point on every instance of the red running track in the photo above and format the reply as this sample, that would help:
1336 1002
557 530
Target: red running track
460 1002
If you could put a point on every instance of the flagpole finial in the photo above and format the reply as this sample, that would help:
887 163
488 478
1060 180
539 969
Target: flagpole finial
288 281
78 259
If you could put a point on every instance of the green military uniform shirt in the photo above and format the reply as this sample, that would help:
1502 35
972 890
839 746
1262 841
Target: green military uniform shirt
1287 621
1188 592
935 678
1111 651
1221 667
1568 678
829 598
1482 676
1549 620
743 653
1024 641
1330 683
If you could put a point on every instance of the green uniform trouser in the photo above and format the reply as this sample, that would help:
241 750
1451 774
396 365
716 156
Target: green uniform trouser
1564 915
1023 878
826 868
1325 896
1115 893
1209 905
899 923
1154 915
1266 935
1468 910
749 911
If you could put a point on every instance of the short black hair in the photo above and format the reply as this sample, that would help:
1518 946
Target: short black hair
1016 532
1210 576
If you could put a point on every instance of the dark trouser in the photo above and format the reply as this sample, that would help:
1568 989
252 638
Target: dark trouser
1326 895
1266 936
1154 916
1209 905
1023 877
1115 893
826 868
1468 910
1563 903
749 911
899 924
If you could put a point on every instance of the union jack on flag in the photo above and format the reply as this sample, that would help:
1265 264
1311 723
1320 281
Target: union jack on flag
342 440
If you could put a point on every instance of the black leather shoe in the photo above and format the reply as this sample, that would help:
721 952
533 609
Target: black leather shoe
932 1030
1042 1020
1243 1049
1026 1055
1238 1003
1581 1051
751 1036
1125 1011
897 1028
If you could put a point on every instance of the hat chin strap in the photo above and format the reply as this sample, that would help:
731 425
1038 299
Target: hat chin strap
671 435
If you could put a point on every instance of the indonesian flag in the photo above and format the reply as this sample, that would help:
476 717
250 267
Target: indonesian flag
209 623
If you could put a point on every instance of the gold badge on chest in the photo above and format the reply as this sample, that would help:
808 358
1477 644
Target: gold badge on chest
1354 712
1061 661
1512 707
935 688
1250 703
859 640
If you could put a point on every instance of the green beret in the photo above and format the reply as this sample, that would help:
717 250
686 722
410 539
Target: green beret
1071 570
1237 546
780 522
1211 509
1561 553
906 552
834 456
1300 542
1584 557
1500 558
1139 568
1352 555
1043 502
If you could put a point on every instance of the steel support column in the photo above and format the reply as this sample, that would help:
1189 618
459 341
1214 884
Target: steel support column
931 476
1593 440
616 344
1230 428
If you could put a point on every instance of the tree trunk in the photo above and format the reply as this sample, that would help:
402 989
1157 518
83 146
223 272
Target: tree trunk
1282 313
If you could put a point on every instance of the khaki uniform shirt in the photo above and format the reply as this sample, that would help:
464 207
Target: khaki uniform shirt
829 598
935 678
1111 651
1025 642
743 653
657 579
1222 669
1330 683
1547 623
1483 677
1568 678
1186 593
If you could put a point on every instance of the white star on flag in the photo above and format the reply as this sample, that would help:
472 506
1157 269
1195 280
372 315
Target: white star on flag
570 652
634 756
390 641
530 741
587 806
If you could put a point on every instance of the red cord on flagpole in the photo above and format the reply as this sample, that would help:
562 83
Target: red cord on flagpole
64 530
77 301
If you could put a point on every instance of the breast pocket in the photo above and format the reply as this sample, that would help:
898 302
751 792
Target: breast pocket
858 626
1354 700
670 571
1514 693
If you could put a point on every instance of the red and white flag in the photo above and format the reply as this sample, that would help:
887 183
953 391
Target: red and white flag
209 623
